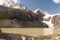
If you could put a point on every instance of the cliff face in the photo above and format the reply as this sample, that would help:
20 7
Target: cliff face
11 17
53 19
56 21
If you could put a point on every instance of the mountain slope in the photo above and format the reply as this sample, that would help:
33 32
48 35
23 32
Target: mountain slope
20 18
56 20
53 21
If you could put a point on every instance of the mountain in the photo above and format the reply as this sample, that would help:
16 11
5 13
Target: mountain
53 21
56 20
20 17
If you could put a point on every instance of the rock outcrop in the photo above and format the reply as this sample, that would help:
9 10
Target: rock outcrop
53 19
56 21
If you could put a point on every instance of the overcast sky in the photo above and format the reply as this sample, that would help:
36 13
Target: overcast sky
52 6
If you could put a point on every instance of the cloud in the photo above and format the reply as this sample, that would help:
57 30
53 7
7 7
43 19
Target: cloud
56 1
9 2
1 2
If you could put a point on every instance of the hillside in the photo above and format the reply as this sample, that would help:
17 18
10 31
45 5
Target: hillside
11 17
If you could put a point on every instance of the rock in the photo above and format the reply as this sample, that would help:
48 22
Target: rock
56 20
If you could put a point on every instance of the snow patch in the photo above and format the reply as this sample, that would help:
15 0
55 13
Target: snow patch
49 23
36 10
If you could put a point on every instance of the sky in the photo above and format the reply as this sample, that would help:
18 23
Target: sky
51 6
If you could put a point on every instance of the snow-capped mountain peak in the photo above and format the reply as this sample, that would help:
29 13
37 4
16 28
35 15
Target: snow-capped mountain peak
36 10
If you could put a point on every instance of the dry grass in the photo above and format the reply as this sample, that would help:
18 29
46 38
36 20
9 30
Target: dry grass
28 31
25 31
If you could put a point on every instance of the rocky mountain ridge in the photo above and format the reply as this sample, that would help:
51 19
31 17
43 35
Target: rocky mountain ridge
20 18
25 18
